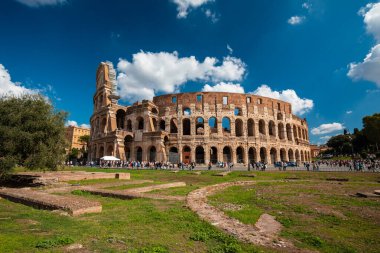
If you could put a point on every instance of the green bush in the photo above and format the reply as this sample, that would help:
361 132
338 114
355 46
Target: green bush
55 242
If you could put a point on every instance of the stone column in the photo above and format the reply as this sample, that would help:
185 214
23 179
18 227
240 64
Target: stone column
206 149
233 154
245 160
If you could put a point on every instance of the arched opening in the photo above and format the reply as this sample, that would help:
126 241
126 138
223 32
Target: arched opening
226 124
166 140
304 134
299 133
295 132
251 127
227 154
109 151
281 131
302 156
289 132
186 154
263 155
199 155
240 155
291 155
139 154
186 111
283 155
186 127
279 116
273 155
173 155
199 127
103 125
154 111
239 127
162 125
127 147
101 151
238 111
152 154
213 155
127 152
140 123
272 128
262 126
129 125
298 158
212 122
252 155
120 119
173 126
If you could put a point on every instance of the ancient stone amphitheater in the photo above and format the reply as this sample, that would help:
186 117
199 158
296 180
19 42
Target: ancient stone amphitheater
199 127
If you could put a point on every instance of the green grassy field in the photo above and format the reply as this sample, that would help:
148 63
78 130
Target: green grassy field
316 214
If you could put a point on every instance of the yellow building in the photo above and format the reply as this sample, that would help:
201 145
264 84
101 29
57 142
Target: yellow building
73 133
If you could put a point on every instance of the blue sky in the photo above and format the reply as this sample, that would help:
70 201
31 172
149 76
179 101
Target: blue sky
299 51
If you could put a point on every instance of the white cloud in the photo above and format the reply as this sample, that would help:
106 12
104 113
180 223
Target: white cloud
224 87
74 123
184 6
369 68
325 138
38 3
296 20
230 50
300 106
149 73
327 128
211 15
7 87
348 112
306 5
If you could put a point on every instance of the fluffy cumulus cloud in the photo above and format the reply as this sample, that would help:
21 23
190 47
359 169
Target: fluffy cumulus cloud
369 68
224 87
296 20
327 128
149 73
7 87
300 106
38 3
325 138
74 123
184 6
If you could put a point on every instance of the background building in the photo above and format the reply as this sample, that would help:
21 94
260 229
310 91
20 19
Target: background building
197 126
73 133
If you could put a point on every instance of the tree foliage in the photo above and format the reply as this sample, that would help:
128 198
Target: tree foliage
371 129
32 133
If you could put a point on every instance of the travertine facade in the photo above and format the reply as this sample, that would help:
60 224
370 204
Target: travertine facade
195 127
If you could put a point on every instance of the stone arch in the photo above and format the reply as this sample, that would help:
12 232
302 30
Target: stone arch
273 155
154 110
299 133
238 111
263 155
120 119
213 124
239 127
280 116
298 158
199 155
226 124
283 156
173 155
139 154
186 111
295 132
103 125
281 131
291 155
272 128
240 154
289 132
186 154
199 126
251 127
227 154
173 126
262 127
152 154
213 155
140 123
186 126
162 125
302 156
252 155
155 126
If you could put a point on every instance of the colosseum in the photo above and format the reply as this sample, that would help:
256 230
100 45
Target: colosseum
199 127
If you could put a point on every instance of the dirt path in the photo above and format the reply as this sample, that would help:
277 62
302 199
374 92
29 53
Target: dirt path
265 232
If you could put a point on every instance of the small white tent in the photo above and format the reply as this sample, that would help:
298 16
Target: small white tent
109 158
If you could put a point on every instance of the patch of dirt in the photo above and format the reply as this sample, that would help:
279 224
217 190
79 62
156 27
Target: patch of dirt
230 207
265 233
27 221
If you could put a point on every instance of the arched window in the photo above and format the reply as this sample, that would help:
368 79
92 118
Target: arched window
239 127
152 154
295 132
162 125
212 122
186 127
103 126
186 111
281 131
139 154
140 123
154 127
262 127
272 128
252 155
289 132
240 155
279 116
227 154
199 155
120 119
263 155
238 111
213 155
199 127
251 127
273 155
173 126
154 110
226 124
